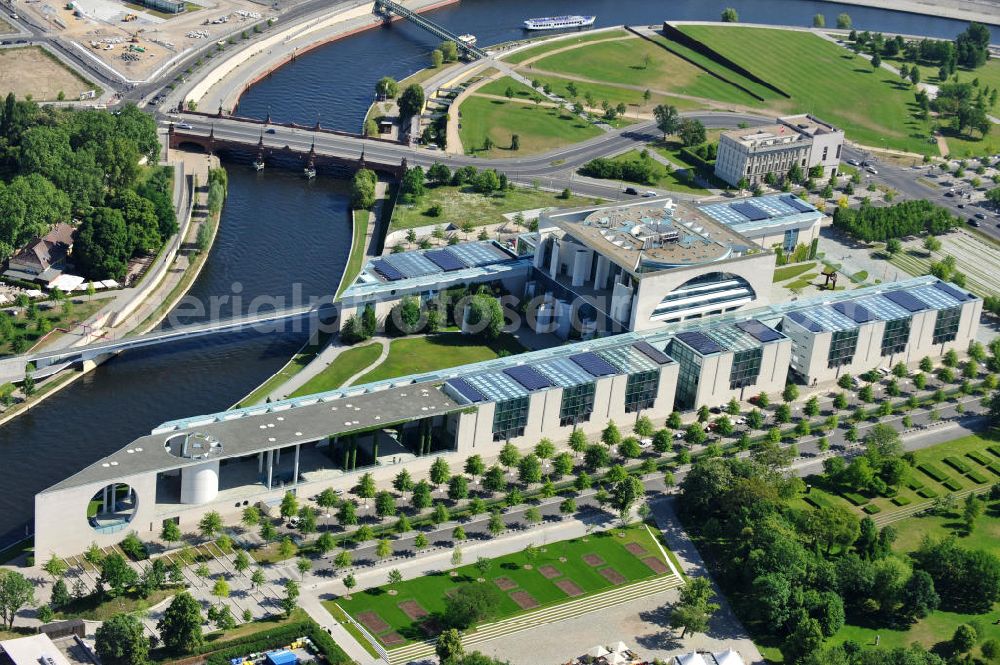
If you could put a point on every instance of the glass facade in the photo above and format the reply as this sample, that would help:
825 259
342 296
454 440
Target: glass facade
746 368
577 404
842 346
509 418
689 373
895 337
641 389
946 325
791 240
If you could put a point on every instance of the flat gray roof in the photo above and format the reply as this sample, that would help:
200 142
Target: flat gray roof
277 427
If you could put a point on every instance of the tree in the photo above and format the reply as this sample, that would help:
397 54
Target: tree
448 647
876 61
115 579
625 493
60 594
257 578
496 525
450 50
363 185
221 588
289 505
529 470
545 449
919 597
411 102
437 58
386 87
210 524
484 316
667 119
691 132
471 604
844 21
289 602
729 15
964 638
819 21
805 640
180 626
509 455
694 610
366 488
102 246
121 640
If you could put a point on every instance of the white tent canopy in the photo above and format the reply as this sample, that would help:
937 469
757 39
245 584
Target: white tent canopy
693 658
727 657
598 652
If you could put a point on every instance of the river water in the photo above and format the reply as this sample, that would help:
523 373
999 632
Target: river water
284 238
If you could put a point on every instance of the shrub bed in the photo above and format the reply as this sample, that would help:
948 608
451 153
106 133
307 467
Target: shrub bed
914 484
994 467
815 501
953 485
934 472
995 449
927 493
901 500
957 463
976 476
978 457
872 509
855 498
221 653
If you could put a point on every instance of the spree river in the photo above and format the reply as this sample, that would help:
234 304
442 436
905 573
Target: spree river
282 237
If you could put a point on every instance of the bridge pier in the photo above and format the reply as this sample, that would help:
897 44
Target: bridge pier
89 364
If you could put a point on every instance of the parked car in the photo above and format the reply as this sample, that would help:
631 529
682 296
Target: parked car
269 130
872 170
184 125
980 215
974 222
631 190
961 205
853 162
649 193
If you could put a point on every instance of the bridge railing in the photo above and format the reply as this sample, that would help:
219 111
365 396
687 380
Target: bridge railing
291 125
390 7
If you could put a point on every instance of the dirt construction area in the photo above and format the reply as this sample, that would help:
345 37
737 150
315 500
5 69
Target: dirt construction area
31 71
135 40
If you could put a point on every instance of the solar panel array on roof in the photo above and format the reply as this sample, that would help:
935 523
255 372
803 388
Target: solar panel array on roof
651 352
907 300
805 321
700 342
462 387
444 259
960 296
594 364
750 211
496 386
758 330
796 203
854 311
412 264
529 377
386 270
627 359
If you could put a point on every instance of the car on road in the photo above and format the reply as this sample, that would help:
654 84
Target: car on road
631 190
649 193
980 215
961 205
974 222
872 170
269 130
853 162
184 125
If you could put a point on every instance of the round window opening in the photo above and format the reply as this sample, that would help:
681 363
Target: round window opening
112 508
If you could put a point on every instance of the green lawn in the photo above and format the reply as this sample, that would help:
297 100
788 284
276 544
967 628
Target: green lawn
540 128
674 180
461 204
430 591
552 45
500 85
293 367
98 608
625 62
55 319
348 363
917 481
787 272
411 355
873 107
616 94
357 257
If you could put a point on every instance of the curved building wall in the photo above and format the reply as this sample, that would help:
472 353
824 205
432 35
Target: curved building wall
200 483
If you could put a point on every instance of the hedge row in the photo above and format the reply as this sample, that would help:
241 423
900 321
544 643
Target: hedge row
978 457
914 484
934 472
994 467
855 498
995 449
901 500
221 653
976 476
927 493
953 485
815 501
957 463
872 509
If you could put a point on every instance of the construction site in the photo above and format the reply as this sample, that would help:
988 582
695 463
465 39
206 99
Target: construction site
137 38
